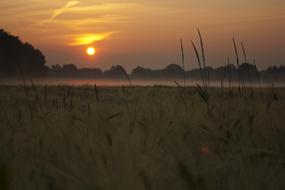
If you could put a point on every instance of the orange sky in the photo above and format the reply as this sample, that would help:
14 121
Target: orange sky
145 32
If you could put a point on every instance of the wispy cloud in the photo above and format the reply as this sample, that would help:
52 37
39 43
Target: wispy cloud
90 13
111 7
58 12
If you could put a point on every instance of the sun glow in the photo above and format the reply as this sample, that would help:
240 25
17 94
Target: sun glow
90 51
86 39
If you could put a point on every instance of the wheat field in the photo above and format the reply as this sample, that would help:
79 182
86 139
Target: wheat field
141 138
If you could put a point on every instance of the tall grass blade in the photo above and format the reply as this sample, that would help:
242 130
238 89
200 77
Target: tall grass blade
203 93
183 62
199 62
236 53
229 73
126 75
114 116
244 52
238 65
206 74
224 75
96 93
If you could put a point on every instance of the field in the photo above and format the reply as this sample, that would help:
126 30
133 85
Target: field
141 138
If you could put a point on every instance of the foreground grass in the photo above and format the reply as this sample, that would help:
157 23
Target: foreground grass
141 138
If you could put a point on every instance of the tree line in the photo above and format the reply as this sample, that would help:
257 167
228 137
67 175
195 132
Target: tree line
18 58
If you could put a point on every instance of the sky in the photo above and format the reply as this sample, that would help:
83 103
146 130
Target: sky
147 32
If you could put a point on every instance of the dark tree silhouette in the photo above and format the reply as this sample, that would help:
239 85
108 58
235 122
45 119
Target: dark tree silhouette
70 68
248 72
140 72
17 57
71 71
116 72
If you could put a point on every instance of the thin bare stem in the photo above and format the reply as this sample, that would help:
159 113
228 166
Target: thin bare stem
203 55
236 52
244 52
183 61
96 93
229 73
126 75
238 64
257 73
199 63
224 75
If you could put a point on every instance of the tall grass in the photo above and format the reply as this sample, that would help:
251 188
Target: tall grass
202 91
158 141
201 59
206 73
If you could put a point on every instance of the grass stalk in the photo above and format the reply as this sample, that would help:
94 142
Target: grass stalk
229 73
238 65
224 76
199 63
126 75
244 52
206 74
183 62
96 94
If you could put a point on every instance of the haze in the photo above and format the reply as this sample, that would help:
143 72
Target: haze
145 32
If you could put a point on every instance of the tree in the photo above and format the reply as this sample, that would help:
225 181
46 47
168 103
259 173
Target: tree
17 57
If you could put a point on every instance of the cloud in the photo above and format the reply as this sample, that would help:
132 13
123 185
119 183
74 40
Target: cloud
86 39
58 12
90 13
110 7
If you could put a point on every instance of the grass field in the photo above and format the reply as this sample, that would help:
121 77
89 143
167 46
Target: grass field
141 138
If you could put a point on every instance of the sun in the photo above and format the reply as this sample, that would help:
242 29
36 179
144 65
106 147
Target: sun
90 51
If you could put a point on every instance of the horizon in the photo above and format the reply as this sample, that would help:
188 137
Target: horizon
195 68
146 33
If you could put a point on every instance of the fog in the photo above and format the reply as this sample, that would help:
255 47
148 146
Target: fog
119 83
